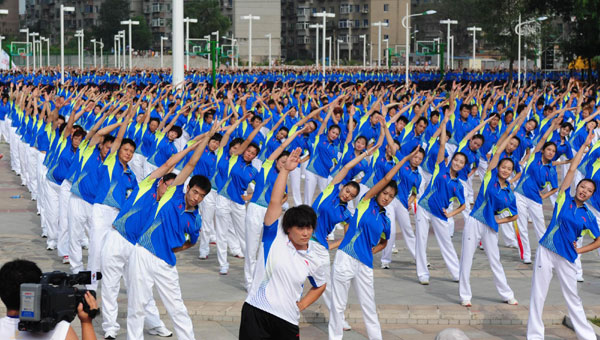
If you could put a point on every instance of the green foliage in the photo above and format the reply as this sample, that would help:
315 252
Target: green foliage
210 18
111 14
141 34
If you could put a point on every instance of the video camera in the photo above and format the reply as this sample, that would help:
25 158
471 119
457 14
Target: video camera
54 299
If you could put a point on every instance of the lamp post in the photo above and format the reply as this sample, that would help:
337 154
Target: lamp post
80 36
324 15
162 39
40 52
116 41
129 23
518 31
452 52
26 31
233 41
371 54
364 38
474 29
316 27
187 21
93 41
437 45
406 26
123 47
338 51
101 56
448 22
47 40
33 35
379 24
330 56
63 9
216 34
386 54
250 17
269 36
1 38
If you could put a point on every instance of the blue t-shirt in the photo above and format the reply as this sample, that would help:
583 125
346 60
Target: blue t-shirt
440 191
492 200
330 211
137 210
536 176
264 183
409 181
323 156
115 183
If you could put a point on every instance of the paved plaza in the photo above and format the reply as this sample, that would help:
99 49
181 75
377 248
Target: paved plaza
406 309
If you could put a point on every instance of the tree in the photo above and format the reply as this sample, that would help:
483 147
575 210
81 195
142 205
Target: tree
141 34
111 14
210 18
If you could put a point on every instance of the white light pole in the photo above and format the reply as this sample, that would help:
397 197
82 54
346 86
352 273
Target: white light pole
40 52
93 41
116 41
379 24
63 9
269 36
162 39
1 38
518 31
177 42
123 48
437 45
79 36
250 17
129 23
324 15
47 40
406 26
452 52
387 46
101 56
448 22
33 35
330 56
216 34
316 27
233 41
338 51
26 31
474 29
371 54
187 21
364 38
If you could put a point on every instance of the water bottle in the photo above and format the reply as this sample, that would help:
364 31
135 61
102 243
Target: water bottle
15 196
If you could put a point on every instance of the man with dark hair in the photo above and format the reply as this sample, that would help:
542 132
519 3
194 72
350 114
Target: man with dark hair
12 275
174 228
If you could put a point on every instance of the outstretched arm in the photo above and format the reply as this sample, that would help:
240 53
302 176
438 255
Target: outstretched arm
389 176
191 164
575 162
346 168
274 208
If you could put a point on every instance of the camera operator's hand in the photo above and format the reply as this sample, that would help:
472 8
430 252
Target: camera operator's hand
91 301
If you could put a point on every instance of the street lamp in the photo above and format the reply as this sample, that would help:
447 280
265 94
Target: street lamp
26 31
123 48
40 52
269 36
129 23
117 41
474 29
187 21
101 54
47 40
316 27
161 50
364 38
338 51
216 34
448 22
93 41
329 42
250 17
379 24
63 9
518 31
324 15
452 52
387 46
33 35
233 41
79 34
406 26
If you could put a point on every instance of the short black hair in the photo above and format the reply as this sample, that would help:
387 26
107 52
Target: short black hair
128 141
168 177
362 137
335 126
254 145
403 119
177 130
107 139
479 136
547 144
216 137
460 154
393 185
79 133
201 182
587 180
422 119
153 119
354 185
235 142
284 153
300 216
12 275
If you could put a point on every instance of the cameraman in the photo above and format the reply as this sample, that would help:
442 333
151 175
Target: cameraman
12 275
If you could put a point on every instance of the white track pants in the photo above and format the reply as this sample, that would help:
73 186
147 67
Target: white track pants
207 208
529 209
145 272
398 215
148 169
14 151
115 258
440 229
41 180
80 222
255 217
346 271
63 218
313 181
102 219
137 166
23 162
32 169
295 179
230 221
546 262
51 200
474 232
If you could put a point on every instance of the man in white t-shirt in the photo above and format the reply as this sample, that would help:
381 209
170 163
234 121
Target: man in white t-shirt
12 275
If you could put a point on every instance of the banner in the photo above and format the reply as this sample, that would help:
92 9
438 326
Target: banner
4 60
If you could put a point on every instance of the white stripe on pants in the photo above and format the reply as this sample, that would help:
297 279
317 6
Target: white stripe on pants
313 180
207 208
399 214
474 232
440 229
115 258
63 218
348 270
545 262
51 199
102 219
145 272
229 214
529 209
255 217
80 221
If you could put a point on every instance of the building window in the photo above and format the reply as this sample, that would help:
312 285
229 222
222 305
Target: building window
366 8
385 36
387 21
366 23
356 23
345 8
386 7
356 8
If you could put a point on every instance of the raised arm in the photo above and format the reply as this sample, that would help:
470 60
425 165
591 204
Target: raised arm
389 176
346 168
442 151
575 163
191 164
253 134
285 144
274 208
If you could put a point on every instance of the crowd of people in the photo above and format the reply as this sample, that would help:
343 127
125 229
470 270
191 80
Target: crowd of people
268 165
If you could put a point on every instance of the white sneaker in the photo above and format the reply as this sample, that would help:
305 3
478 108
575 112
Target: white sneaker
160 331
203 257
424 282
110 335
394 250
223 271
385 266
512 302
347 326
66 259
580 279
466 303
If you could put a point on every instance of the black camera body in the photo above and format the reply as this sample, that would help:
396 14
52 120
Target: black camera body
54 299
